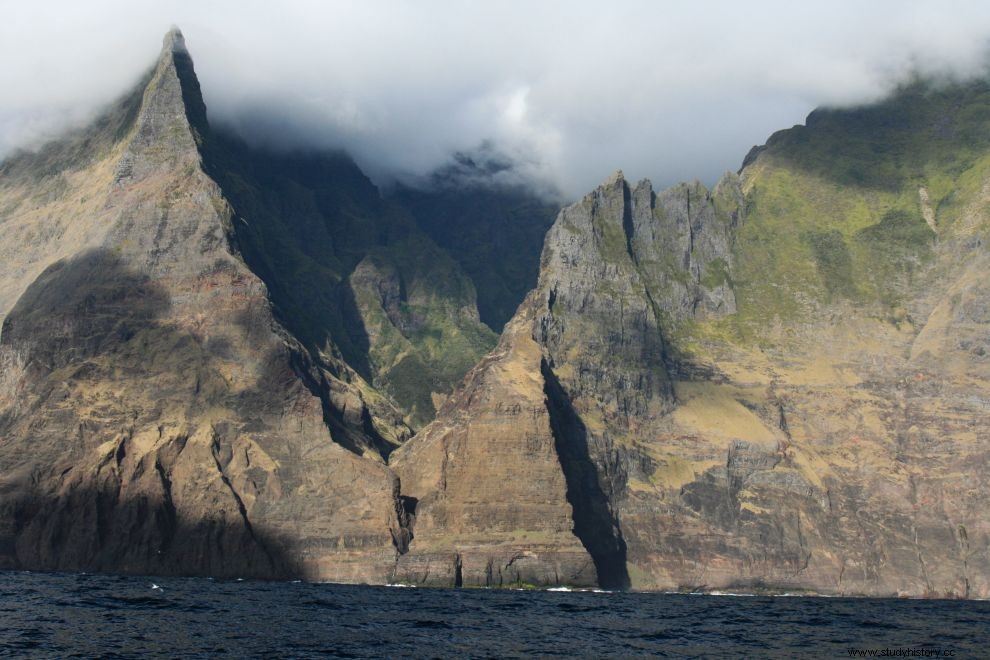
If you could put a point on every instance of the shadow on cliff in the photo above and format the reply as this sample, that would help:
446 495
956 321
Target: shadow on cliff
302 223
297 224
94 529
594 523
79 308
494 231
92 323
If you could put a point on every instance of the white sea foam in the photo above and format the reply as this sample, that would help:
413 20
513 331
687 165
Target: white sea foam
728 593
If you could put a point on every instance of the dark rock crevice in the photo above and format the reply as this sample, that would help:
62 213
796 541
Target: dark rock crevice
348 433
628 228
594 521
169 520
221 459
458 572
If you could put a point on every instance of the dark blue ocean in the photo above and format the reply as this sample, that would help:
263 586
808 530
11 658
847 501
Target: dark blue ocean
79 615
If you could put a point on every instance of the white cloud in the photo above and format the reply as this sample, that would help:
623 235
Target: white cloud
574 90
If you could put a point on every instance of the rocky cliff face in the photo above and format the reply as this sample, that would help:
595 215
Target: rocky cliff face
351 274
777 384
490 503
212 360
616 267
154 415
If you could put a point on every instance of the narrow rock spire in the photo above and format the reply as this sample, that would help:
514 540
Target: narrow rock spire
174 42
615 177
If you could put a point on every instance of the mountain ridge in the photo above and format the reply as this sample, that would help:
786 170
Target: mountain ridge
214 360
798 438
153 348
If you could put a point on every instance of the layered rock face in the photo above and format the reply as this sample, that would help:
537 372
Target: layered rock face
484 483
213 361
154 416
586 356
778 384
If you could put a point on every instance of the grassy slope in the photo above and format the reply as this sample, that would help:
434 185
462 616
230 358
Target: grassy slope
836 272
835 212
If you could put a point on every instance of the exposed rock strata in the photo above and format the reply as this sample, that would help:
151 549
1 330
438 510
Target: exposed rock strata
154 417
781 383
485 484
848 461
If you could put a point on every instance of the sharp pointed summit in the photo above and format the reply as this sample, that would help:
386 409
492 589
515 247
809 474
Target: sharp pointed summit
176 75
171 121
174 42
136 277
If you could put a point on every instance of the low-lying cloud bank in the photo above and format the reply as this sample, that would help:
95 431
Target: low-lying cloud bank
570 91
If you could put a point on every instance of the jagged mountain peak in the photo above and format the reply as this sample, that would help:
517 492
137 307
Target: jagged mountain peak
176 62
210 343
173 41
614 179
124 286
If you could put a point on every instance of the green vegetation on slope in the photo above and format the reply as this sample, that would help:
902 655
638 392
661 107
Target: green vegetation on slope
305 222
835 209
494 231
922 130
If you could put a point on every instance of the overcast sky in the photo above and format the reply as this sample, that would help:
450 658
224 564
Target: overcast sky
572 90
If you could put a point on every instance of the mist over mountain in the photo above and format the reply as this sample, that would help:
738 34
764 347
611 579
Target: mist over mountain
567 91
230 357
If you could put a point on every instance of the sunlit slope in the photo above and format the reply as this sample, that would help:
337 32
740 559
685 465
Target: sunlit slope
778 384
850 208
